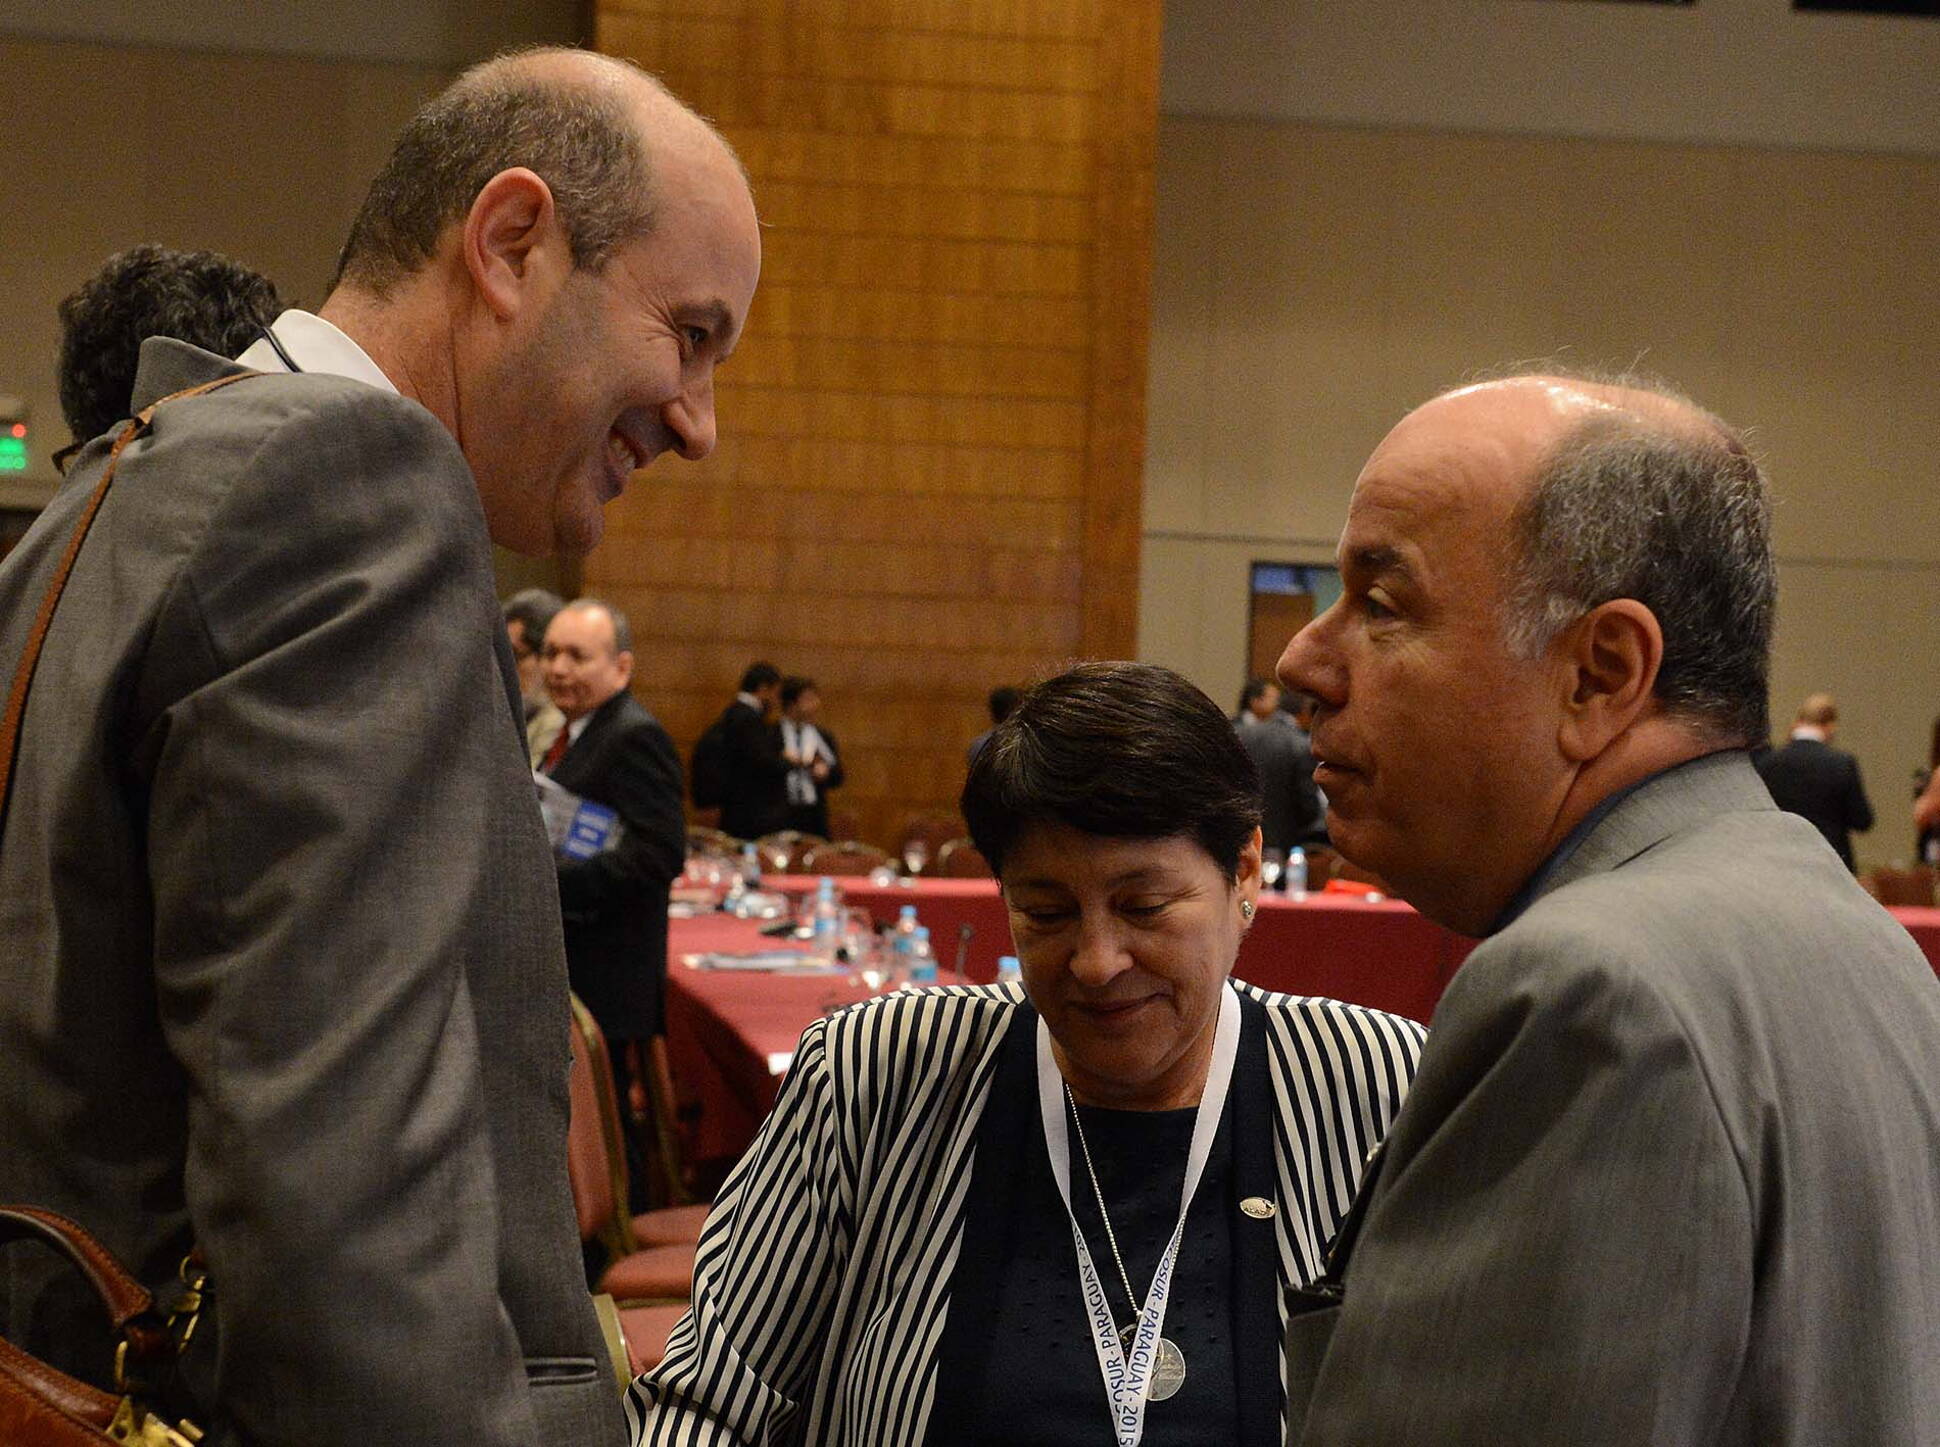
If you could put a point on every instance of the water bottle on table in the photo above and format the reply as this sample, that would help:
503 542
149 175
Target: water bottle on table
1296 873
825 929
922 959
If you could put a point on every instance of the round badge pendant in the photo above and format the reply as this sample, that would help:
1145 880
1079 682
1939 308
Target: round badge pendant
1168 1372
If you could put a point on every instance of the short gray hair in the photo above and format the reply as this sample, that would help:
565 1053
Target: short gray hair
580 139
1679 520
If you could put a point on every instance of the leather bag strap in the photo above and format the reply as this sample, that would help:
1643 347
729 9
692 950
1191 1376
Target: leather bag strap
23 676
123 1296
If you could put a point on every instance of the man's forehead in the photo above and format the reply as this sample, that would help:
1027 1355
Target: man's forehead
1463 460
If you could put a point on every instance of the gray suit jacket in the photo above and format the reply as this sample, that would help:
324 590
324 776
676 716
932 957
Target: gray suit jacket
279 928
1670 1172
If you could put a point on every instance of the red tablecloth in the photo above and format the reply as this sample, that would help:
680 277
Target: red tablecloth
1373 953
732 1035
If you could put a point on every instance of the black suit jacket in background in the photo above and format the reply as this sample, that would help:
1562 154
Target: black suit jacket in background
615 904
1821 784
1291 812
754 776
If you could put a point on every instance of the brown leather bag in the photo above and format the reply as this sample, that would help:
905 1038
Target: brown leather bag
39 1406
42 1407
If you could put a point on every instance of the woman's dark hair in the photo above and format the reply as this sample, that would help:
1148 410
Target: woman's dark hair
793 687
1120 750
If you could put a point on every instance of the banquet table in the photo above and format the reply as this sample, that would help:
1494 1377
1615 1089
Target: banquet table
731 1035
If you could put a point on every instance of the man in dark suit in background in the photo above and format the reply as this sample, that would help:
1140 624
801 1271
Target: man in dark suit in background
615 753
1285 763
1810 778
753 775
1668 1171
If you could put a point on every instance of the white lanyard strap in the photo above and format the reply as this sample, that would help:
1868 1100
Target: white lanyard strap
1127 1375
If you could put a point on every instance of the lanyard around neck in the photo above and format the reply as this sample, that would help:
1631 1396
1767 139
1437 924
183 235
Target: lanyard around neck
1128 1374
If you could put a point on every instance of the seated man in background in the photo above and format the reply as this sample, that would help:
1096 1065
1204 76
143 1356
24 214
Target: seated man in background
528 613
814 762
615 753
1670 1171
199 297
1810 778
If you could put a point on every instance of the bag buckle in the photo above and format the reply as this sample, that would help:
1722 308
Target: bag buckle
141 1428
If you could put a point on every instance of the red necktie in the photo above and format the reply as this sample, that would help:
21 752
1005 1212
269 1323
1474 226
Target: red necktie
561 741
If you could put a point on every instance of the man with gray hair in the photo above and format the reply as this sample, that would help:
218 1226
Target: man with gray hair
1670 1171
278 918
528 613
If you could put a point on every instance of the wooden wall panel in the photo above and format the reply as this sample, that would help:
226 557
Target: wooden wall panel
929 475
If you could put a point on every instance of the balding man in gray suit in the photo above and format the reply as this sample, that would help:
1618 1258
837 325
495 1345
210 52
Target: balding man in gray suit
278 923
1670 1172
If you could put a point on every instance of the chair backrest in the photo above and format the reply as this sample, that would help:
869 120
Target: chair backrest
1900 886
703 840
960 859
665 1105
783 851
932 831
595 1150
848 857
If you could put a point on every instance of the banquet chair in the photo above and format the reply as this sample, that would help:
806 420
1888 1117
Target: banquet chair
1900 886
960 859
932 831
645 1329
703 840
844 823
783 851
848 856
596 1168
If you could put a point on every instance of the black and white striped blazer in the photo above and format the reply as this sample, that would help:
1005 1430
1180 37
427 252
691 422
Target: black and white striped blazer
823 1275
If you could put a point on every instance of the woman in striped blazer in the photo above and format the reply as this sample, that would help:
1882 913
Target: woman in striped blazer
1070 1212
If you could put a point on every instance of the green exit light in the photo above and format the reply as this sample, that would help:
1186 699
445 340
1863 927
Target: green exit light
13 453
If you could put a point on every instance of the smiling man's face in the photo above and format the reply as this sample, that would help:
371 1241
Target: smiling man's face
618 366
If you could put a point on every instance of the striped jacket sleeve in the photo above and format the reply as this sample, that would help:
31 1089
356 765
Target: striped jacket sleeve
740 1364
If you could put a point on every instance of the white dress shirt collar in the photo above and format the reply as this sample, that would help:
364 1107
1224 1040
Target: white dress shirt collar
315 346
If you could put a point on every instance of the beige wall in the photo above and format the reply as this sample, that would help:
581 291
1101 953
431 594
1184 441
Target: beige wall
1313 283
263 157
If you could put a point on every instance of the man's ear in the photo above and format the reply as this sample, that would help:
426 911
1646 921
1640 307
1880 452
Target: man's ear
625 662
1611 658
511 242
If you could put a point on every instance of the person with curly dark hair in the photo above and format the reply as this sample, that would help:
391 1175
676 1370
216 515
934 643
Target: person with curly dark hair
200 297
